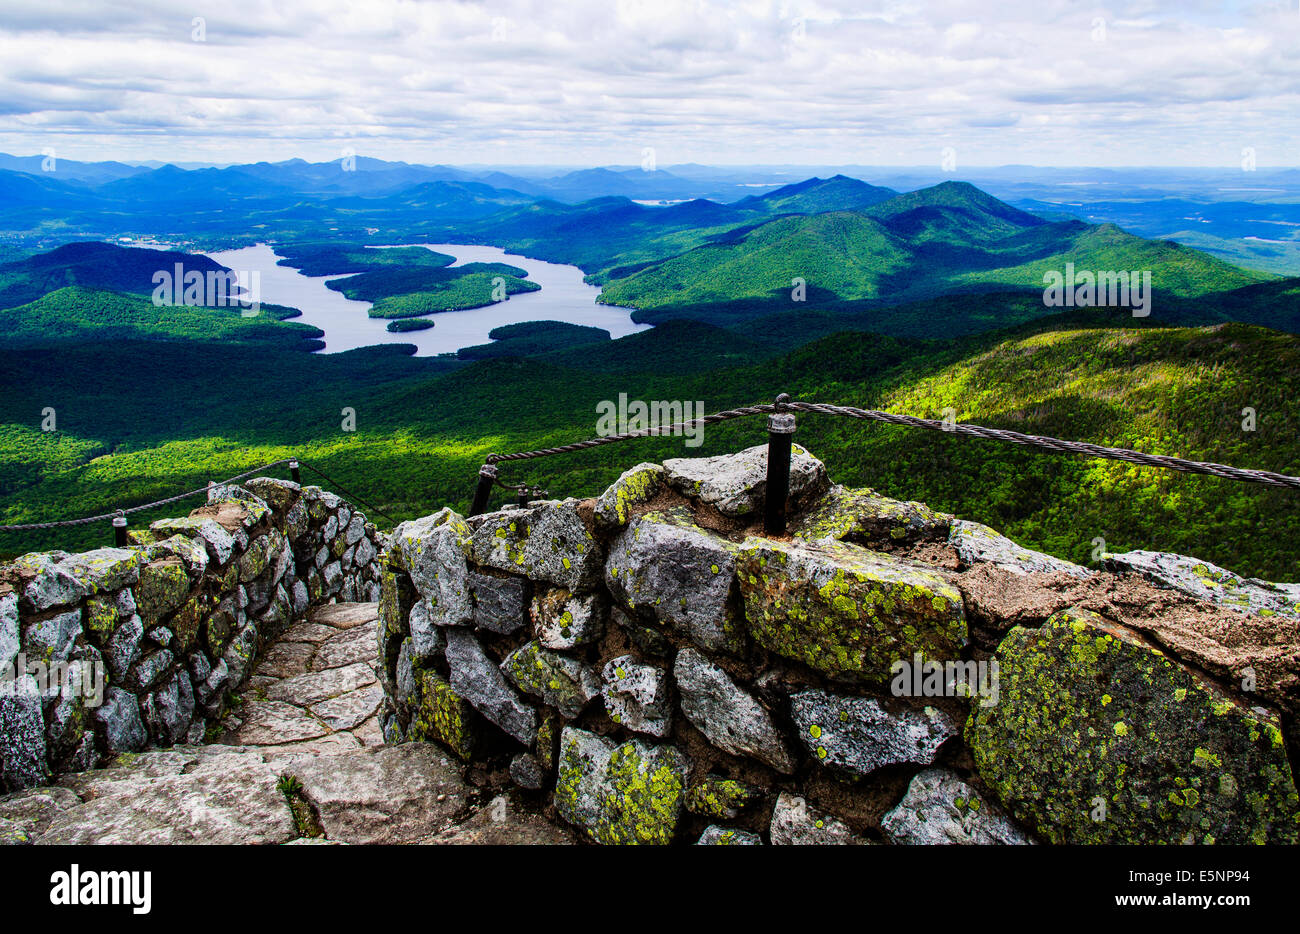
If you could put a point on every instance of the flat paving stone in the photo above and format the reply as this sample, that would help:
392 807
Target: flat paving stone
394 794
272 722
353 645
345 615
349 710
314 633
503 823
370 733
321 685
227 796
286 659
332 744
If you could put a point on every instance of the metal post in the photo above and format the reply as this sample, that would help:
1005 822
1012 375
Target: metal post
487 476
521 496
780 442
294 472
119 531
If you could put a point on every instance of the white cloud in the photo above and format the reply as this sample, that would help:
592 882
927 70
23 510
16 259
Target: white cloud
1163 82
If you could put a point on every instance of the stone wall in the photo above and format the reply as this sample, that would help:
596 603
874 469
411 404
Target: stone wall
653 669
173 622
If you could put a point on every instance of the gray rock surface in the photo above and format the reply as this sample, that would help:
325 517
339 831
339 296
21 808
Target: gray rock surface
862 734
392 794
478 680
433 551
939 808
544 540
666 569
977 544
731 719
209 795
637 695
499 604
716 835
736 484
119 718
562 620
1209 582
795 822
22 737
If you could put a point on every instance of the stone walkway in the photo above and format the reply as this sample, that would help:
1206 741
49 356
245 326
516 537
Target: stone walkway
302 761
316 690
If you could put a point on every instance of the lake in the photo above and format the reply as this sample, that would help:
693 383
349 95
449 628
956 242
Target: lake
563 297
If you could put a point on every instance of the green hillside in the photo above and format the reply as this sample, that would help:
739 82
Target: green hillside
93 265
78 314
840 255
819 195
921 245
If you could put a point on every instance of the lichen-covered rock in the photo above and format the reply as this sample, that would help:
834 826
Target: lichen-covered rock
864 516
46 583
635 487
562 620
104 569
978 544
619 793
847 611
239 654
862 734
724 798
123 647
715 835
560 681
795 822
443 715
22 736
666 570
499 602
253 507
736 484
164 585
190 552
1099 737
433 550
220 543
545 540
939 808
729 717
102 616
276 493
477 679
1209 582
637 696
51 639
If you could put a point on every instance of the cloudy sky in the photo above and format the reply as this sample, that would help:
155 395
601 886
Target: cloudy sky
1047 82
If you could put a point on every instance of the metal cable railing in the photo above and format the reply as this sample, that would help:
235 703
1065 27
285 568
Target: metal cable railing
118 516
781 424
